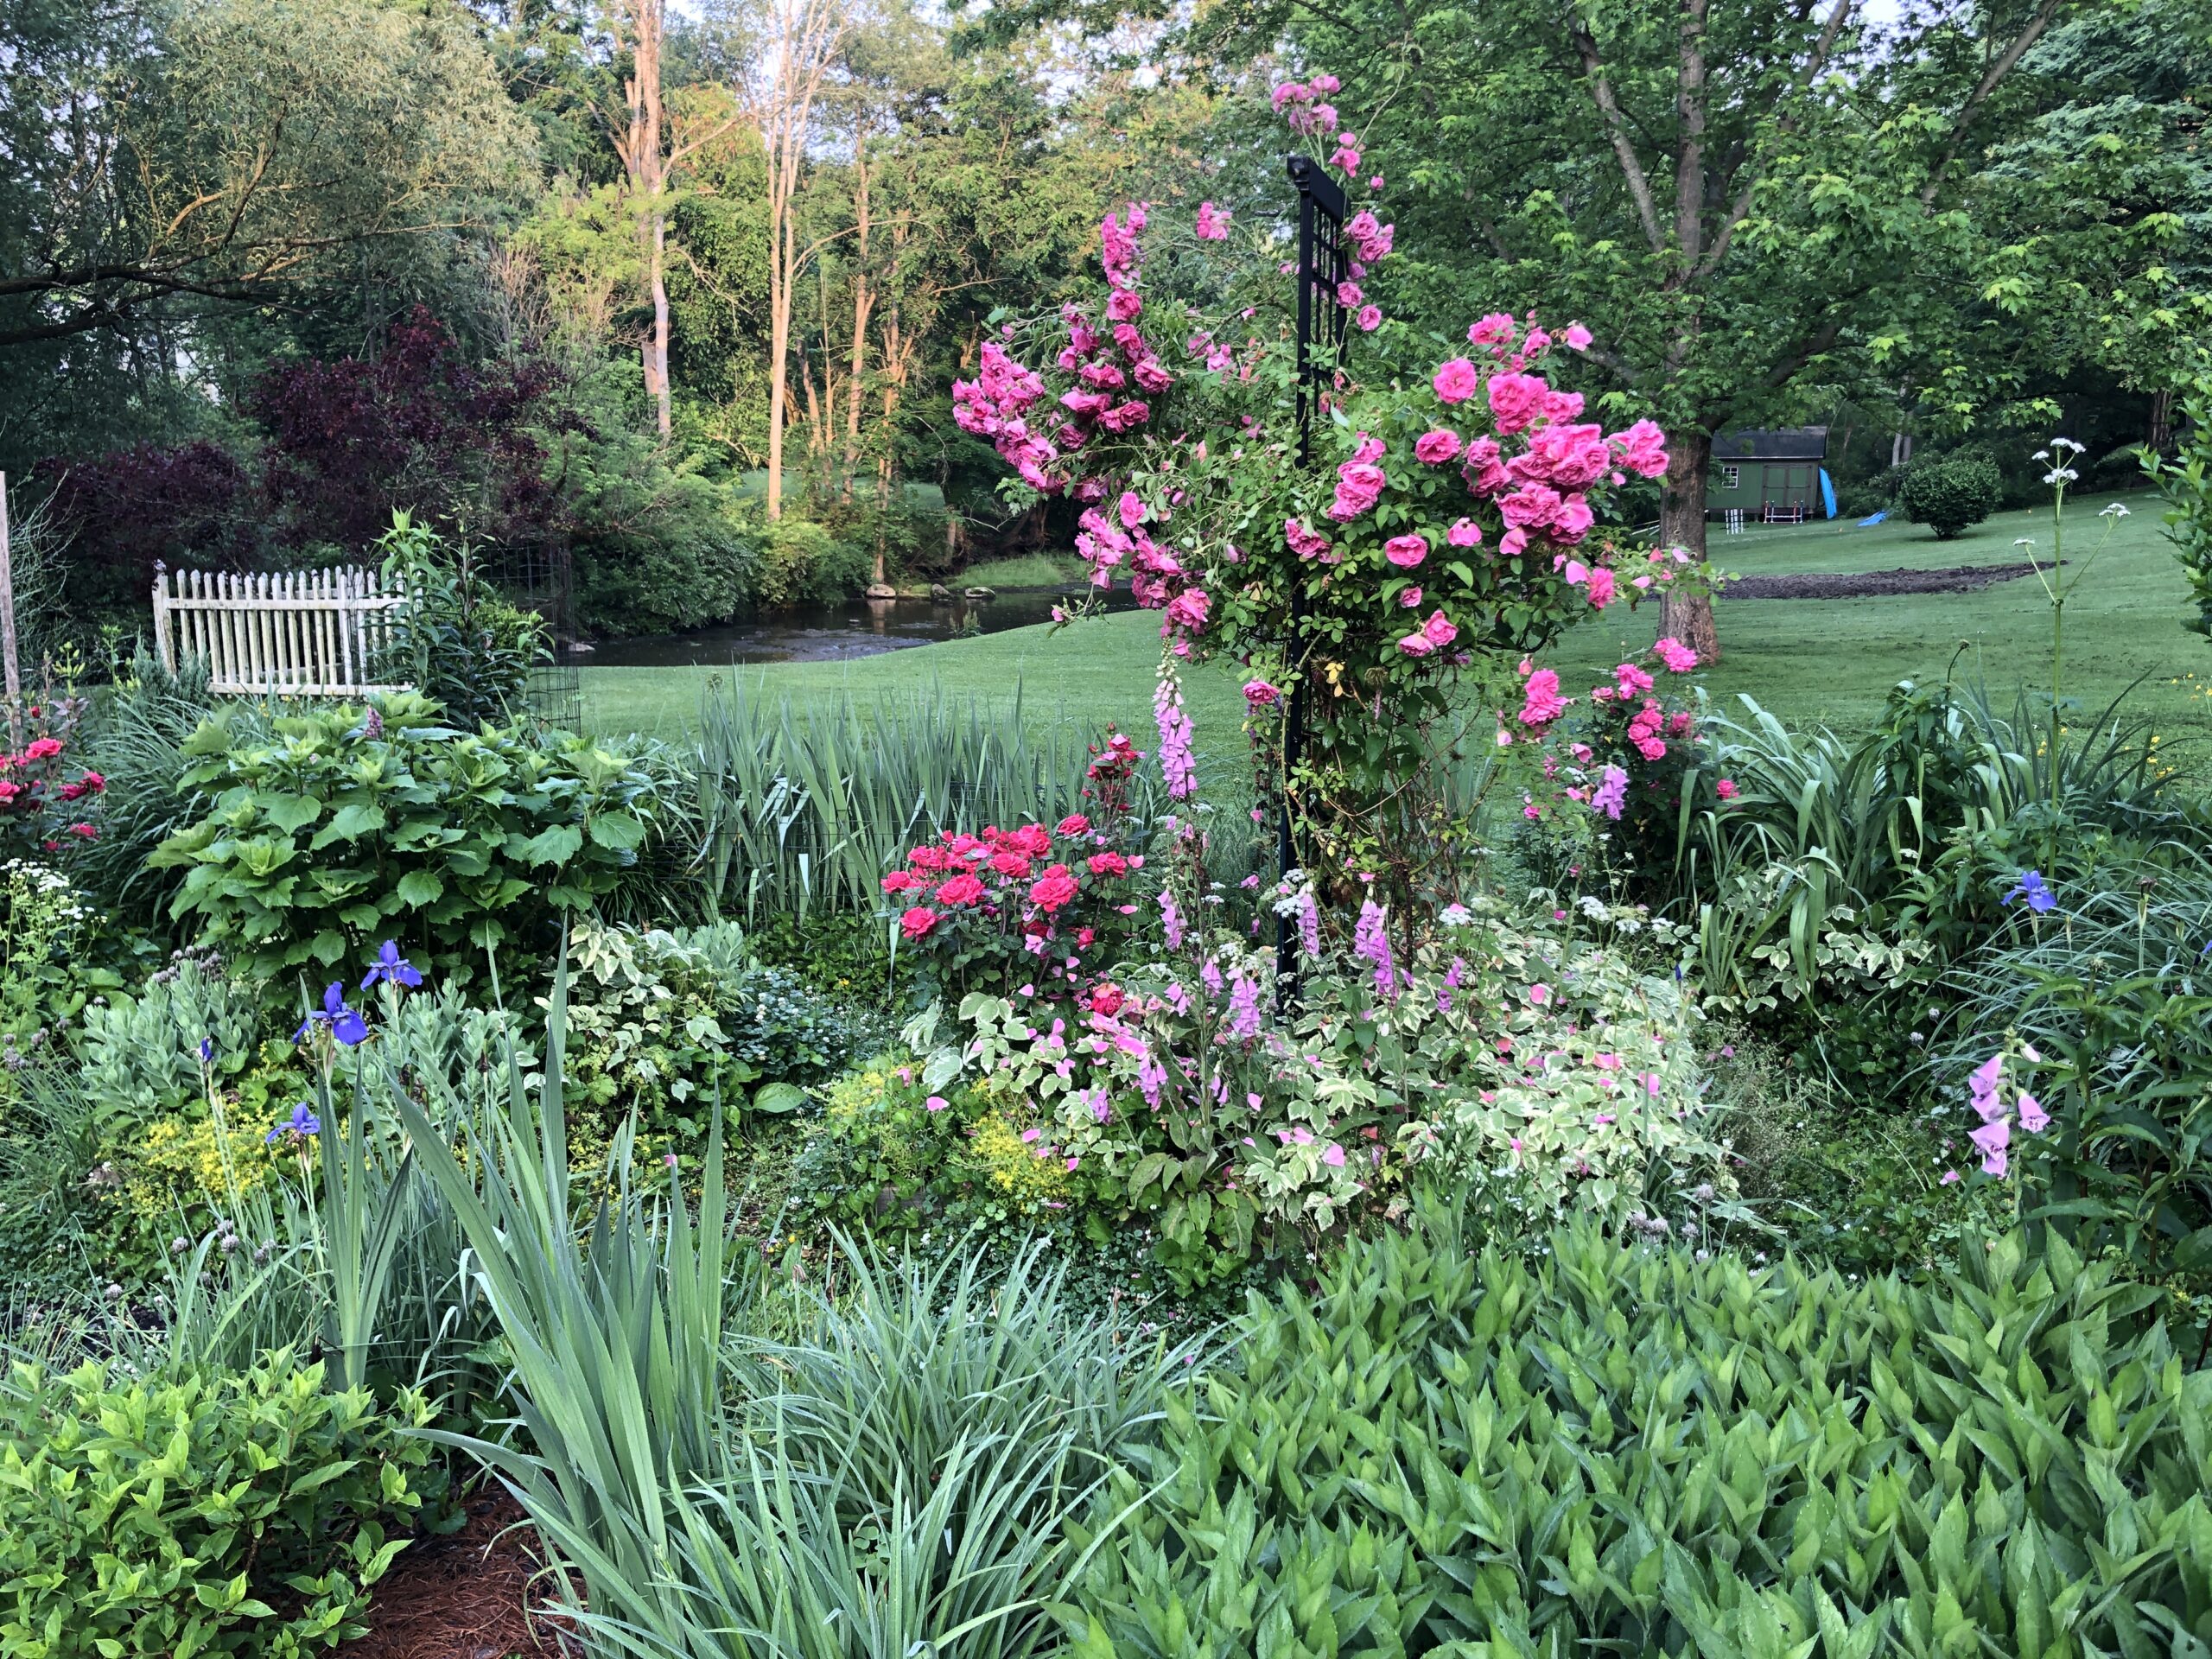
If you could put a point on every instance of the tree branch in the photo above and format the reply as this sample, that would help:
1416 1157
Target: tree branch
1740 209
1997 71
1601 93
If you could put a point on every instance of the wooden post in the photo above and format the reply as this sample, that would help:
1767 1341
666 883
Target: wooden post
9 666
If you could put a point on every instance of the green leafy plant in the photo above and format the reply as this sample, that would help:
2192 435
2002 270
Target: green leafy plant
1599 1446
339 828
196 1513
457 641
1952 493
2185 483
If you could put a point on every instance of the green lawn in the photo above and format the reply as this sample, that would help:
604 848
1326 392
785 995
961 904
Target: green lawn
1809 660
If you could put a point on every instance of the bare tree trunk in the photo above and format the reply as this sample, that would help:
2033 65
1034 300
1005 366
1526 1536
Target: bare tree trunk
641 145
863 303
1688 617
779 348
803 40
2160 436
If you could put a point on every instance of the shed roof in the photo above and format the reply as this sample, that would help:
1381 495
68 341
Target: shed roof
1784 443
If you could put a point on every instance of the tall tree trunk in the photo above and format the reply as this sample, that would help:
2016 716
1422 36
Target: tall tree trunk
2161 434
645 167
657 347
779 348
1688 617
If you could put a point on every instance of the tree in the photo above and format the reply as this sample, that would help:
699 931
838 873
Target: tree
802 36
173 157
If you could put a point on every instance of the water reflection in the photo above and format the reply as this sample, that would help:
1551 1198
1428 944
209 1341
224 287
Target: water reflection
819 634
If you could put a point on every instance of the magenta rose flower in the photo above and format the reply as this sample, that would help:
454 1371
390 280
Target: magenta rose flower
1435 448
1406 551
1457 381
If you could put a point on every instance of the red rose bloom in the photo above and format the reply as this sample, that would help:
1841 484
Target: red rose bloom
44 748
1056 889
962 889
1033 839
930 858
1011 864
900 880
916 923
1074 824
1108 864
1106 1000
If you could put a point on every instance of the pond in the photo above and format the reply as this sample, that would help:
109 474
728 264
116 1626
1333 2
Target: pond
838 632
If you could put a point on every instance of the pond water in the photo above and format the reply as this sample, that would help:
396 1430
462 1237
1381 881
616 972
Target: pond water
829 634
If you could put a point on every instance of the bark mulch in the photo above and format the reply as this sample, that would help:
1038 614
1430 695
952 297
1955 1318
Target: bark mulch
1871 584
467 1595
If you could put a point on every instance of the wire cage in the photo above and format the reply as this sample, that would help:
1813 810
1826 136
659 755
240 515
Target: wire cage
539 578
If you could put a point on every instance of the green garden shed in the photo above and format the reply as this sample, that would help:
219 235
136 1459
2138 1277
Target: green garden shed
1767 474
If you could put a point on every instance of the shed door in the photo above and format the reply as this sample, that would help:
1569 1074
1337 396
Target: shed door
1783 484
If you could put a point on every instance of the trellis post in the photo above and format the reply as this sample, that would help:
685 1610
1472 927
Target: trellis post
1321 332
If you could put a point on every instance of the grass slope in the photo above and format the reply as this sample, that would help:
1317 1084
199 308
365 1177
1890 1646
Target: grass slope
1829 660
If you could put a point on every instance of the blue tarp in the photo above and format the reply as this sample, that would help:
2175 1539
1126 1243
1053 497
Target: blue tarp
1875 519
1827 492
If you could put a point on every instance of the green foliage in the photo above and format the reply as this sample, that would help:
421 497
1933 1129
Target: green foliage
1951 493
195 1512
2186 483
136 737
44 924
457 642
337 829
668 1025
803 564
1627 1447
2111 993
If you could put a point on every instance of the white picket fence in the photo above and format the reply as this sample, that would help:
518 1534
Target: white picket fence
289 634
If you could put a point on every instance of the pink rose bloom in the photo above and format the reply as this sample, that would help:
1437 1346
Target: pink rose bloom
1601 587
1485 470
1187 610
1678 656
1346 158
1151 376
1435 448
1496 329
1643 449
1291 91
1261 695
1516 400
1530 507
1577 337
1571 522
1348 295
1124 305
1439 629
1726 789
1542 703
1406 551
1370 318
1457 381
916 923
1416 645
1306 544
1410 599
1512 541
1369 448
1465 533
1131 508
1325 85
962 889
1561 406
1213 223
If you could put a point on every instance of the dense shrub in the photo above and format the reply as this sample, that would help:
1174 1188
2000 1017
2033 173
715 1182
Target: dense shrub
802 563
335 830
1622 1449
1949 494
196 1514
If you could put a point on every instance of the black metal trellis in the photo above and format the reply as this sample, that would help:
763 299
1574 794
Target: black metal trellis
1322 327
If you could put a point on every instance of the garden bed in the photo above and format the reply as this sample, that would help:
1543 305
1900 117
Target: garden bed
471 1595
1877 584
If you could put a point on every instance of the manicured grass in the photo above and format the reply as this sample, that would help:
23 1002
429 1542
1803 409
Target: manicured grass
1091 672
1828 660
1834 660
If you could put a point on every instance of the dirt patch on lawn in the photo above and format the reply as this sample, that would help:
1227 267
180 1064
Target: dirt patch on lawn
1872 584
467 1595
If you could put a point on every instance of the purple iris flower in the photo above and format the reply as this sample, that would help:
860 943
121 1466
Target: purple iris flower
2029 887
302 1124
390 965
345 1025
206 1050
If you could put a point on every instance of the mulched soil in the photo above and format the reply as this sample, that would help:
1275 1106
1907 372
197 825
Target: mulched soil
467 1595
1868 584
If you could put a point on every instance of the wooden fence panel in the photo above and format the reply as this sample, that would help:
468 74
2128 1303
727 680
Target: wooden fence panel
300 634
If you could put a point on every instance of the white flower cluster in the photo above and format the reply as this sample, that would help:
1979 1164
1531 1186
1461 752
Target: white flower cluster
2060 452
